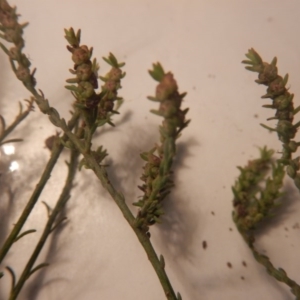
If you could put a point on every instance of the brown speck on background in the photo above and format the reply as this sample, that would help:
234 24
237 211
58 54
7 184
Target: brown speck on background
296 226
242 277
256 116
204 245
230 229
244 263
213 213
229 265
286 229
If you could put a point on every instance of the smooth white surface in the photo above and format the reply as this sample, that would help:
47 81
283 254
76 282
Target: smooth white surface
96 255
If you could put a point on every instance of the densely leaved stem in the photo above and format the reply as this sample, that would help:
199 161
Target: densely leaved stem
282 102
254 204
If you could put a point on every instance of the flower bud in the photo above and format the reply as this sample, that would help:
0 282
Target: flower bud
285 130
110 85
22 73
166 87
268 74
80 55
84 72
108 105
276 87
167 108
87 89
114 74
282 102
14 53
8 21
293 146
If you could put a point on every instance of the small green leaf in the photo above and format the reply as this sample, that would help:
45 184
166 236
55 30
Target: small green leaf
71 80
110 123
54 121
267 127
157 220
285 79
13 277
72 88
138 203
78 36
144 156
158 72
113 60
37 268
156 112
107 61
274 62
249 62
48 208
162 261
153 99
103 78
3 124
24 233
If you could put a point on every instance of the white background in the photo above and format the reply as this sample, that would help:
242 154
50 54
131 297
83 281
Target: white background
96 255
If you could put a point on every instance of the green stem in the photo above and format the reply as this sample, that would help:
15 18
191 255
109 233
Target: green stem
100 172
165 168
17 121
118 197
57 149
50 224
278 274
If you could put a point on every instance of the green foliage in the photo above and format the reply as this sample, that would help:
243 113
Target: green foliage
257 191
255 194
156 177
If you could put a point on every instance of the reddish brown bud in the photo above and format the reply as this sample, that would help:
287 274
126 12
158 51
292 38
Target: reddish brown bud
166 87
115 74
81 55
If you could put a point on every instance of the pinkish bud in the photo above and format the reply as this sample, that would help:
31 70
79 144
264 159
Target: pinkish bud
115 74
81 55
166 87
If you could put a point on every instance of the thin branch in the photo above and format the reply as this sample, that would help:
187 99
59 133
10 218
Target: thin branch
57 149
21 116
50 226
